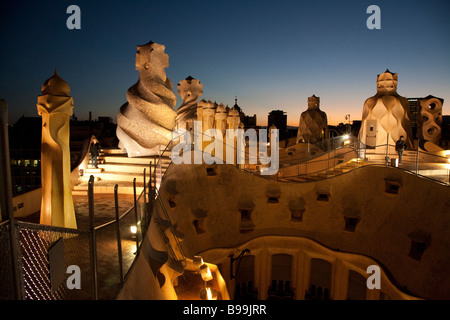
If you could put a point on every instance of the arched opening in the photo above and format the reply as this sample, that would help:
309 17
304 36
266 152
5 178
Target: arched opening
244 285
280 284
357 286
320 280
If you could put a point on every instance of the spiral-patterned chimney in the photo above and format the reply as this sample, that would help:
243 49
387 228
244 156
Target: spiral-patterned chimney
147 120
189 90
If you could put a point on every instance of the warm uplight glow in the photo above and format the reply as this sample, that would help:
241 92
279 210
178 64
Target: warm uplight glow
210 295
198 262
205 273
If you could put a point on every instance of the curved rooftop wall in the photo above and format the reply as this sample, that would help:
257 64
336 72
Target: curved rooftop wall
380 212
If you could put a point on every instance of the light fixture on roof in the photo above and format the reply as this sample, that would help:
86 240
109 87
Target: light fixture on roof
198 262
208 294
205 272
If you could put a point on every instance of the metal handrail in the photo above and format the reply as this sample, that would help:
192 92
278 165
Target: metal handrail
358 150
356 145
39 227
318 161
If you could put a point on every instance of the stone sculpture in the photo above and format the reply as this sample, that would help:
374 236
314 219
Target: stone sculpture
208 113
220 119
386 114
430 119
55 105
146 121
313 124
233 119
189 90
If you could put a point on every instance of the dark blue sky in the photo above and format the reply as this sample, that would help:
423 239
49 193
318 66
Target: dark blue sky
271 54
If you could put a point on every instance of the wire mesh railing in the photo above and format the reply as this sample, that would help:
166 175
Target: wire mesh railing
102 255
6 275
35 242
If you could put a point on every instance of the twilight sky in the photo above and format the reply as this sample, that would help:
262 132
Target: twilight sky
270 54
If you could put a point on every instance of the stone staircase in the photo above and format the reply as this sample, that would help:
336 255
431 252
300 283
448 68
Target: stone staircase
336 170
115 167
427 167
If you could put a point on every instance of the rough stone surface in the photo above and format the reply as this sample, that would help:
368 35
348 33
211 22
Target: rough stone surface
387 112
147 120
55 105
189 90
430 120
313 125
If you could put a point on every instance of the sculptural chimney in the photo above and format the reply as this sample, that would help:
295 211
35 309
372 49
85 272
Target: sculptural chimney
313 124
55 105
145 123
189 90
385 116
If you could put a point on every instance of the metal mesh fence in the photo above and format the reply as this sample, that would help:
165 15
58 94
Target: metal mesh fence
7 287
103 255
35 242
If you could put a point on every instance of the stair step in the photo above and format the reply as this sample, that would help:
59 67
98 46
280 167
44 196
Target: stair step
137 160
79 192
86 178
115 176
128 167
115 167
99 160
93 170
313 177
112 151
324 175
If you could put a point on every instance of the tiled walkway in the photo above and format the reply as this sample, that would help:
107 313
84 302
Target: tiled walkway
107 246
104 208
